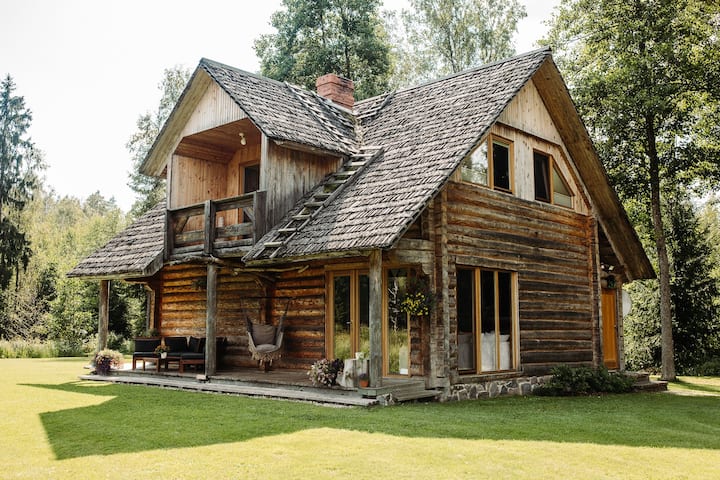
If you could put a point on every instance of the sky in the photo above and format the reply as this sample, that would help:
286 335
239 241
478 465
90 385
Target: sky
89 68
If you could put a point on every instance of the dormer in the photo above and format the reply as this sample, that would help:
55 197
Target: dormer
232 134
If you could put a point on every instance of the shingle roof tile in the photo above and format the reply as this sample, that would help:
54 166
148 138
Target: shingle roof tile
137 251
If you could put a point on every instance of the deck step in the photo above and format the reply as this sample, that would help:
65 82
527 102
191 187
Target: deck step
643 383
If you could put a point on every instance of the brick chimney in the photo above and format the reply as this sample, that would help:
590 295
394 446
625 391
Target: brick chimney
337 89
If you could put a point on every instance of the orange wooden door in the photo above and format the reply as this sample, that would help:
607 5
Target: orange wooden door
609 324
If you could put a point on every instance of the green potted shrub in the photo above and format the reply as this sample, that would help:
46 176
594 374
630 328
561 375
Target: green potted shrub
107 359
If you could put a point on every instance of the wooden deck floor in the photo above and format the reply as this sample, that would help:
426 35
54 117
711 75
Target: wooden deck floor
279 384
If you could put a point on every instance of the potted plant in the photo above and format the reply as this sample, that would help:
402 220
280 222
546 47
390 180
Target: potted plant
162 350
107 359
324 372
363 380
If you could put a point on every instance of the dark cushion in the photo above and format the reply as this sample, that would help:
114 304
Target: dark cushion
263 334
146 345
145 355
177 344
192 356
196 345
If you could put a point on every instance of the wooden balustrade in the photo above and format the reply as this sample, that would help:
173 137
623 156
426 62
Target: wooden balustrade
222 228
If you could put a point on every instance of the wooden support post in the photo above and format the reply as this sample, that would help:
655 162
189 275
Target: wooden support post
375 314
211 309
209 227
103 314
259 215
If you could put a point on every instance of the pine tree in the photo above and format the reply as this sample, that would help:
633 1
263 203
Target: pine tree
18 165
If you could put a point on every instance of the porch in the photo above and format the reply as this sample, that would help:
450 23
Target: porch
276 384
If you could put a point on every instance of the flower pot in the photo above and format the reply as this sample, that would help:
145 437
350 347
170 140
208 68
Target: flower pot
163 355
364 383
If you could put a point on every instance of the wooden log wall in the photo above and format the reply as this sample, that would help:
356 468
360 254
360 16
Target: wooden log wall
305 321
183 307
183 293
550 249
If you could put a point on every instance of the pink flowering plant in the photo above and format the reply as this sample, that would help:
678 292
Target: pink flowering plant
107 359
324 372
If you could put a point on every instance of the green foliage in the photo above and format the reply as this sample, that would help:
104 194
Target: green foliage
694 295
641 75
30 348
440 37
568 381
315 37
19 163
151 190
709 368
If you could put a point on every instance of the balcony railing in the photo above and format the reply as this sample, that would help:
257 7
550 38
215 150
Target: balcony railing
219 228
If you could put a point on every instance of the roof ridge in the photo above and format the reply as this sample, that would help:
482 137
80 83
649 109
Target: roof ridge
476 69
216 64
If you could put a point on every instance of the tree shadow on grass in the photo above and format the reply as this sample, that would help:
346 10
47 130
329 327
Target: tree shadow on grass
698 387
136 418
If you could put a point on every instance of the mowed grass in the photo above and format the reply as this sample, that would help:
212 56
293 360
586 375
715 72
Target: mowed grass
55 426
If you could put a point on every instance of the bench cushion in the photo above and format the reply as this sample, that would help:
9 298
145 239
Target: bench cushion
177 344
146 345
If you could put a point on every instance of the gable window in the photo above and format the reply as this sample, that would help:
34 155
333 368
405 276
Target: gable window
487 320
490 164
550 186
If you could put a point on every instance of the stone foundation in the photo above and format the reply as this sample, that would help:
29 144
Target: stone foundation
494 388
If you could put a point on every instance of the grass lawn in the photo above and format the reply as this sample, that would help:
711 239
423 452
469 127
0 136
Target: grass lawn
54 426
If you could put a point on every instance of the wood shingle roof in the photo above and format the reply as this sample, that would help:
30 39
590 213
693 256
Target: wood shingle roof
285 112
425 132
135 252
422 134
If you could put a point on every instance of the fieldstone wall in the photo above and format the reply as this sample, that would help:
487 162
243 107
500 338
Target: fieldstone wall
494 388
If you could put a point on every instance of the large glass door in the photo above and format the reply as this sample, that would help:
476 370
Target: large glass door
350 327
396 348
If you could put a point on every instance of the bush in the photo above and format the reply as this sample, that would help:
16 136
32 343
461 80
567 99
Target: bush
711 368
568 381
32 348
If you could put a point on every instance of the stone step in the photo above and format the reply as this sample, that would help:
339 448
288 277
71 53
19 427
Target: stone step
644 384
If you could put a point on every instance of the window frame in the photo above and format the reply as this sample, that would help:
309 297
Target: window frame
551 170
354 309
490 142
477 306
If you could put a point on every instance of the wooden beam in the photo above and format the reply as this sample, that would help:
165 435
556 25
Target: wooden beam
103 314
209 227
211 320
375 314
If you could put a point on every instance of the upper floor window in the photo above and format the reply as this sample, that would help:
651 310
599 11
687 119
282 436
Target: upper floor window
550 186
490 164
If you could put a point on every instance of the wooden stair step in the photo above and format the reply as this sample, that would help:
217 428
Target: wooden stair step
273 244
287 230
301 217
313 204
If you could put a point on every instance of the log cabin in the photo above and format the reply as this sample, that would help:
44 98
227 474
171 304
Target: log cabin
478 196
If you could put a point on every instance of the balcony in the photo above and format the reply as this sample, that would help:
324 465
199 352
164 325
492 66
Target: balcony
218 228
